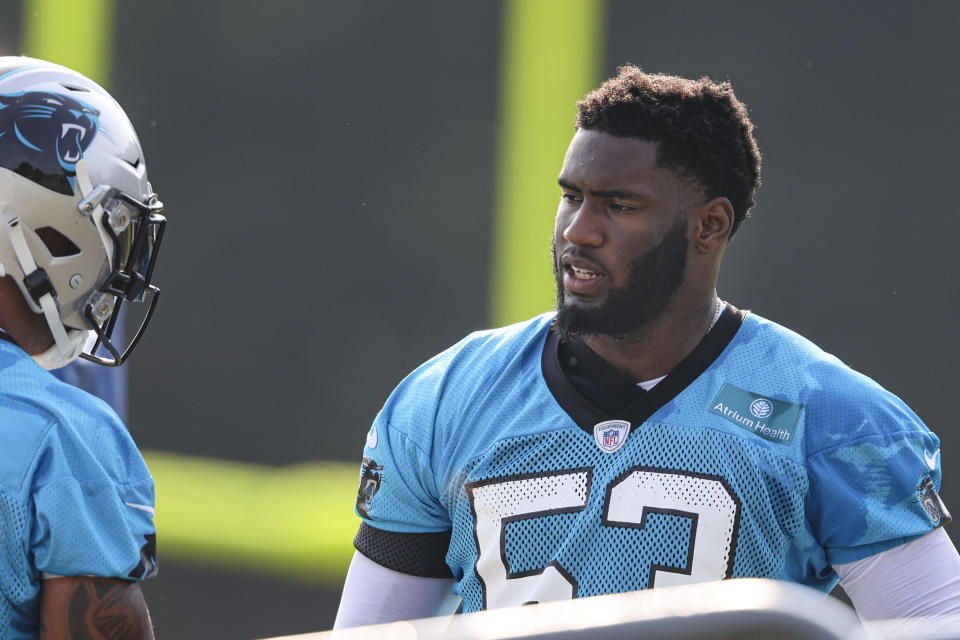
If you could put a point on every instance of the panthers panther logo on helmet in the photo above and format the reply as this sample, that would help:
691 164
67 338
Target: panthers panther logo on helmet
43 135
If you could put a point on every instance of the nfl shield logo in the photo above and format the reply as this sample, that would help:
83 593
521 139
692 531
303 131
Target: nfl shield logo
611 435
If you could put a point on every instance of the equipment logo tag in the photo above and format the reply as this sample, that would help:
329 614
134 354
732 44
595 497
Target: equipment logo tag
611 434
932 504
773 420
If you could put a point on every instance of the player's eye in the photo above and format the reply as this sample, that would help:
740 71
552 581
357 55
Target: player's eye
572 198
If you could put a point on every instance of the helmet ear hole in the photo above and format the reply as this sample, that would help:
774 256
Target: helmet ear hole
59 245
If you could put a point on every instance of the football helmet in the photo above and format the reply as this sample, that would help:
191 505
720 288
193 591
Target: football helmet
80 225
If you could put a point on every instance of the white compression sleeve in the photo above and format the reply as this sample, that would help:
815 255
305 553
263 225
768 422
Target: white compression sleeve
918 579
373 594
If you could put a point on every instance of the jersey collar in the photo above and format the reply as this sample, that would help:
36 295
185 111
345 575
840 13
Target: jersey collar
589 407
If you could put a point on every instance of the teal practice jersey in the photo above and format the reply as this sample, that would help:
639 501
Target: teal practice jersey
76 498
760 455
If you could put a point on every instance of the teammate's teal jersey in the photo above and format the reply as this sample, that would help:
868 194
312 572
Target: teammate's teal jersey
75 495
758 456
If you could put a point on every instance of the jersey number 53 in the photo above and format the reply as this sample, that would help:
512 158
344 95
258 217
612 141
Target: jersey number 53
709 502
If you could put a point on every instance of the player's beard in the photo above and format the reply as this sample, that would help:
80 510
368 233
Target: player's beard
654 278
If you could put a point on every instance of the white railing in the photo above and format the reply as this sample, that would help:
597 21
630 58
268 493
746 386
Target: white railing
747 609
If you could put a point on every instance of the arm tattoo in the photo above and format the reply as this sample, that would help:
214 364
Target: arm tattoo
102 609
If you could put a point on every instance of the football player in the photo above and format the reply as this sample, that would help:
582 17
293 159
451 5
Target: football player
80 228
648 433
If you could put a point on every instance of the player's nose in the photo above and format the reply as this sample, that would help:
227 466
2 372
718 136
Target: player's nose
583 228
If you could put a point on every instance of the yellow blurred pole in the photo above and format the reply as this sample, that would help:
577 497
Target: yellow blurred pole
75 33
550 58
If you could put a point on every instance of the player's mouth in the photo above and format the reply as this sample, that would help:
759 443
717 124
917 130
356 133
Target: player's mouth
580 277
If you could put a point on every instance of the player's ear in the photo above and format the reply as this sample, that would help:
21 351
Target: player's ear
713 221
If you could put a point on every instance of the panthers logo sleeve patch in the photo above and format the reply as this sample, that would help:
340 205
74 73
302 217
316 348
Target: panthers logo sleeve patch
369 485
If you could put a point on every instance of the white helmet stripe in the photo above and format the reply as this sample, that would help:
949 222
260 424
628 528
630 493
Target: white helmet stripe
82 179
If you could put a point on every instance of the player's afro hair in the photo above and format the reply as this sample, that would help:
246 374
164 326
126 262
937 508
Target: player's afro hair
702 131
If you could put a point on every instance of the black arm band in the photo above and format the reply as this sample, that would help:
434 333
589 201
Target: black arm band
416 554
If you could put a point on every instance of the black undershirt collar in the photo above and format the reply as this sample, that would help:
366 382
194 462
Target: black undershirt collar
596 380
591 390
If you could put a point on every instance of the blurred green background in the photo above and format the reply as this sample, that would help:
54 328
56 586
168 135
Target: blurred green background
353 186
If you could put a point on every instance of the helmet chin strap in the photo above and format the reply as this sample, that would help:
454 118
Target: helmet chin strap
52 358
66 348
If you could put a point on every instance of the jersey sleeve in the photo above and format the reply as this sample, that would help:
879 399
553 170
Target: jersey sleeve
877 488
405 526
93 504
398 490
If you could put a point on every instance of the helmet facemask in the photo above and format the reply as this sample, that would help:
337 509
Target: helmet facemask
135 229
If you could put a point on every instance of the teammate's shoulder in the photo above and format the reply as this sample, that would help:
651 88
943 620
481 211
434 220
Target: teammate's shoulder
43 417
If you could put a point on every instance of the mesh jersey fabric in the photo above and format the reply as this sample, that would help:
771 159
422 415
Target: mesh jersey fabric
475 442
76 497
